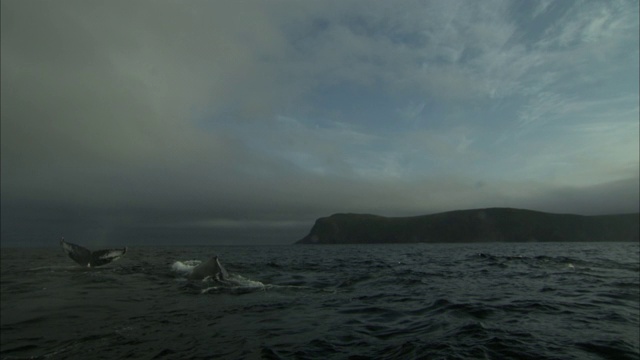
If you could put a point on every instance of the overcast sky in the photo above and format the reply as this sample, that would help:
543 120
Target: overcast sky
237 122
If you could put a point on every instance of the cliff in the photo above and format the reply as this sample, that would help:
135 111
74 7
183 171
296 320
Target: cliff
480 225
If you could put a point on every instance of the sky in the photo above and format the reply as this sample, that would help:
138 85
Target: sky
242 122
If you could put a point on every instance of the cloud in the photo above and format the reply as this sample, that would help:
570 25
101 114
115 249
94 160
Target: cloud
250 112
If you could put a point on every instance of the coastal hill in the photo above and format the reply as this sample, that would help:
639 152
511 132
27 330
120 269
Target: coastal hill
479 225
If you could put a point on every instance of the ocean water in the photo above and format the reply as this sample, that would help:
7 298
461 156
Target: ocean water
417 301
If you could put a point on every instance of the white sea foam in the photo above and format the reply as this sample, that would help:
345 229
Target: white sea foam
184 268
235 282
244 282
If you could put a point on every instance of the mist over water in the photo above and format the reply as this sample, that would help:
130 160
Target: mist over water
432 301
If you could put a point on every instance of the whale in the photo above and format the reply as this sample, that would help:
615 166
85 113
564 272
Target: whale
210 268
86 258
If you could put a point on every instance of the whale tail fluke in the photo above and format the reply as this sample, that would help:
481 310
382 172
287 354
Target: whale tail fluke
84 257
102 257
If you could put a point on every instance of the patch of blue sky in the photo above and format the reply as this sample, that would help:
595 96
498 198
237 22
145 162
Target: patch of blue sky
369 106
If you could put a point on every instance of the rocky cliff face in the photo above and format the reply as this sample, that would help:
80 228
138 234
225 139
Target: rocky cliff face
495 224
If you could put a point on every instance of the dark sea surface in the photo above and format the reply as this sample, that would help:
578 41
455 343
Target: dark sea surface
416 301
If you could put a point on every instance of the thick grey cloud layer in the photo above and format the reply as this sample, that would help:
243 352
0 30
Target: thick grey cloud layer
265 115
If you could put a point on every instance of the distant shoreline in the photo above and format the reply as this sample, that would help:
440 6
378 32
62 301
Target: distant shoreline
472 226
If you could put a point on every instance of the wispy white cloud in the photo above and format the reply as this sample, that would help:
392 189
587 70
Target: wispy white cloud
541 7
590 22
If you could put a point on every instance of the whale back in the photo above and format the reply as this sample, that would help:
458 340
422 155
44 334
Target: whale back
211 267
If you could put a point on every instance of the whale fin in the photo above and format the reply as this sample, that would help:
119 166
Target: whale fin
77 253
222 274
86 258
